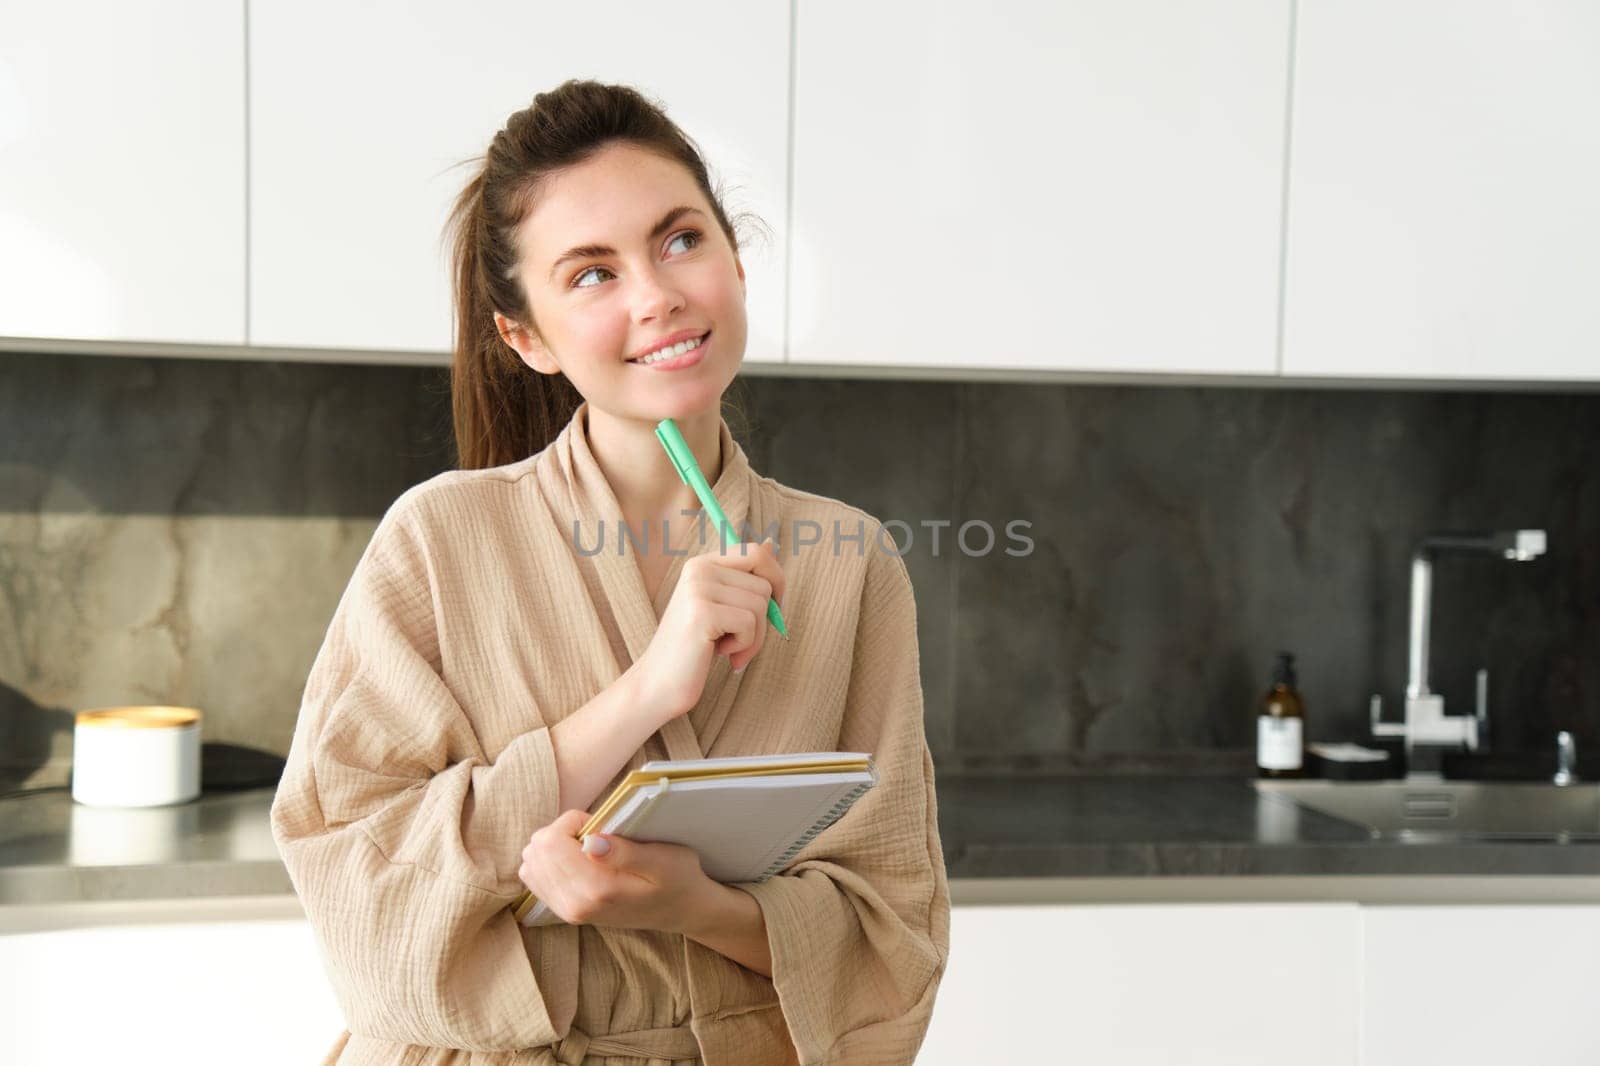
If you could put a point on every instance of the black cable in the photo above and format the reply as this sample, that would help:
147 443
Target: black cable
207 789
32 791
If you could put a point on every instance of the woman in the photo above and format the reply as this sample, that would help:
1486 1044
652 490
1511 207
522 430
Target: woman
498 663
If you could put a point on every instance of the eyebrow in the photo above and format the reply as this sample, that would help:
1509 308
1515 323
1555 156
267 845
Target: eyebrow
590 251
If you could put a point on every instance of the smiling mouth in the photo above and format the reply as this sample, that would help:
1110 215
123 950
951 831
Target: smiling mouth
657 358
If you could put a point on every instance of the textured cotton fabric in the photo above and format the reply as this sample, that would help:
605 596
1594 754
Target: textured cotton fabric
421 765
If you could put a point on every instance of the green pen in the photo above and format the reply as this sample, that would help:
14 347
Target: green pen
683 460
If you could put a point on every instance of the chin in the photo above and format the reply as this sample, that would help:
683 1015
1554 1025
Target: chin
680 412
688 397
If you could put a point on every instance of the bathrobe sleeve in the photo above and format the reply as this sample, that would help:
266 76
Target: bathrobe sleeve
401 838
859 925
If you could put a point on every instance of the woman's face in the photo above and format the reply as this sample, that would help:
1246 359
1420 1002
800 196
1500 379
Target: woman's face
612 267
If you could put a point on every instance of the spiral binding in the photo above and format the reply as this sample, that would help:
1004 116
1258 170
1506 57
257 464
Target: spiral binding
833 814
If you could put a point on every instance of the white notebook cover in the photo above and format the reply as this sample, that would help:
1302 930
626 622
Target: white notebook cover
743 828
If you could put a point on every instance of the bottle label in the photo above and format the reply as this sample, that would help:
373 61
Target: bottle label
1278 743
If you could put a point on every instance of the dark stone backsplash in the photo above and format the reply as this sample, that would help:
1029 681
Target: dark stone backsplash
179 531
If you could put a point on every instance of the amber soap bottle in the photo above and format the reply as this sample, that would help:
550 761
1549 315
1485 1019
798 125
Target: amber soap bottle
1280 725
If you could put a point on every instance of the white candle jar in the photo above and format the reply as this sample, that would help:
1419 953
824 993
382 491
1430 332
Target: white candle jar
136 756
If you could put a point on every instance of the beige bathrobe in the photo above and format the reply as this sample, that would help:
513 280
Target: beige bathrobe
421 764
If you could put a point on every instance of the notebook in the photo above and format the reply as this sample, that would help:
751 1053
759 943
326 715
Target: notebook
746 816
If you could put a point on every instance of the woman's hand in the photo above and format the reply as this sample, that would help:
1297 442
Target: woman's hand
718 607
633 886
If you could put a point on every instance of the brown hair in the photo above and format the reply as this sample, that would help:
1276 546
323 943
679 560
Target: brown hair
503 409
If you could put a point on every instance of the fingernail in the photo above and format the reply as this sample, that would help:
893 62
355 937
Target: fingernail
596 845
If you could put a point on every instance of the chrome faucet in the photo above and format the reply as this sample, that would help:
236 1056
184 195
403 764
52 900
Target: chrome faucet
1566 760
1427 730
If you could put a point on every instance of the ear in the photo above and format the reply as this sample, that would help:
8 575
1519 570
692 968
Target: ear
527 345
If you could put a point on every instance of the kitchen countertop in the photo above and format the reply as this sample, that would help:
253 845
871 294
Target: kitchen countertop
1006 839
55 850
1198 827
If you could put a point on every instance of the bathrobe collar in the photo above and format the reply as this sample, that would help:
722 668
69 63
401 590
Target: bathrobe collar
590 501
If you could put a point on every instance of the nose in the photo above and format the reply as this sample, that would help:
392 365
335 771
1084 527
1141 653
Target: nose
654 295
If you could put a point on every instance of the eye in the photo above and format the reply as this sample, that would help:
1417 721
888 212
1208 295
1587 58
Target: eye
694 234
584 273
687 233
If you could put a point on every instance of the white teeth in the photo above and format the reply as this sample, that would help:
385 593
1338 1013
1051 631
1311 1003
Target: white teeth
668 353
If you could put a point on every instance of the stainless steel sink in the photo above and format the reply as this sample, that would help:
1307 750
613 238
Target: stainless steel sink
1451 809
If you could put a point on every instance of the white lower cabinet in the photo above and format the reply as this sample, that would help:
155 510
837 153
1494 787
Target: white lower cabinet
1487 985
1225 983
1335 983
1304 983
167 994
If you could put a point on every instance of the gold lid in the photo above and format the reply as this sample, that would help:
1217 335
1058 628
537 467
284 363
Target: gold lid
140 717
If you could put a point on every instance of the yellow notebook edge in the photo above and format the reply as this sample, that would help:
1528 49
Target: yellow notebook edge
637 778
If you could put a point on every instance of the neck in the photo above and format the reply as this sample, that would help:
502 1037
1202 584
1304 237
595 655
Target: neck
640 472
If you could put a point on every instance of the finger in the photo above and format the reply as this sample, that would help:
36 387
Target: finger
753 600
620 875
745 555
725 610
648 860
774 575
741 624
751 581
621 855
765 574
589 871
717 573
566 824
741 653
563 868
758 559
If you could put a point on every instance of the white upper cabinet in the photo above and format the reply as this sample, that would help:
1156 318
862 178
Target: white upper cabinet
1094 185
1443 214
359 116
122 200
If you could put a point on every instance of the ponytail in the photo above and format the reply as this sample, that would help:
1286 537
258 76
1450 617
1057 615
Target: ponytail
503 410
